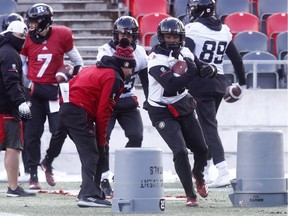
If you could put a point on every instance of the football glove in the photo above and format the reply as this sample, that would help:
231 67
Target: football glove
24 111
145 105
191 66
208 71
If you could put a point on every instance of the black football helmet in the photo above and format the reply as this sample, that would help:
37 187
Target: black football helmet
126 25
171 25
200 8
10 18
42 14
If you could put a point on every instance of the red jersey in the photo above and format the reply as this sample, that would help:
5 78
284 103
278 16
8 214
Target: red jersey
45 58
96 90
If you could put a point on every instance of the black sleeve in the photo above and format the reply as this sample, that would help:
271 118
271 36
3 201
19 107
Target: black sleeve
237 62
143 75
190 44
168 81
12 79
199 63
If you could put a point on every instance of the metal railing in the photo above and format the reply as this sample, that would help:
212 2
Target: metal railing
256 63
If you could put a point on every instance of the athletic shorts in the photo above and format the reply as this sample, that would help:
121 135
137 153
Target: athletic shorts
11 133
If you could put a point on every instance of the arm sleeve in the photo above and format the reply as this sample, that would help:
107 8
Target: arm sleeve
167 79
75 57
143 75
26 82
190 44
237 62
111 89
12 80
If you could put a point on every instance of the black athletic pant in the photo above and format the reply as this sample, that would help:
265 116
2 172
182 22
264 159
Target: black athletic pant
34 130
207 107
81 130
56 143
180 134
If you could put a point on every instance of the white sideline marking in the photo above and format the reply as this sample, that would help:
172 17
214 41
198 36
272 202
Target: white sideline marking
9 214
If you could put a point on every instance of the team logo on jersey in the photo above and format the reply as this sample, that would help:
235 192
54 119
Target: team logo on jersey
161 125
126 64
14 66
162 69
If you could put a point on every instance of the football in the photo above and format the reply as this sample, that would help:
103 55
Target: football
233 93
64 73
179 67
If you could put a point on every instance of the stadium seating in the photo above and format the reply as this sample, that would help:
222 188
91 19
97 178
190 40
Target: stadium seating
1 20
247 41
269 7
154 40
254 7
142 7
282 54
129 4
281 43
7 7
285 71
179 7
228 71
267 76
148 26
242 21
185 19
276 23
226 7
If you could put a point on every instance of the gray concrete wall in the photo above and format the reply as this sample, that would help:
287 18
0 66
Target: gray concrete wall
257 110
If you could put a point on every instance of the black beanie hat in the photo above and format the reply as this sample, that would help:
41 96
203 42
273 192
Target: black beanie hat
124 54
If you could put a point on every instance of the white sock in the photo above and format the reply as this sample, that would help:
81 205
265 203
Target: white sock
105 175
222 168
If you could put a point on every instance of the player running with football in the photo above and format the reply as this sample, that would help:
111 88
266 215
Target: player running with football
172 109
42 55
126 111
209 40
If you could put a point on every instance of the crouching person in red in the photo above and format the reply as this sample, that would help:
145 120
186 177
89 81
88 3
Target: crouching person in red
85 112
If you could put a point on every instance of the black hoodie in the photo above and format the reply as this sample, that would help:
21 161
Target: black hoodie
11 87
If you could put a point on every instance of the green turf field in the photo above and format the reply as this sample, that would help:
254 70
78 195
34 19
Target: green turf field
216 204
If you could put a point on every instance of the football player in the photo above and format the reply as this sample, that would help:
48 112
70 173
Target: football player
209 40
42 55
126 111
178 124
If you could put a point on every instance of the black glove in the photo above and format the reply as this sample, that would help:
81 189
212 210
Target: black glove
103 150
208 71
145 105
76 69
191 66
103 153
